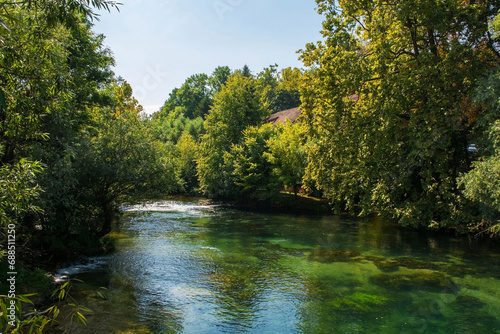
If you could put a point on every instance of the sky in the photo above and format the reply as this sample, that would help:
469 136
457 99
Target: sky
158 44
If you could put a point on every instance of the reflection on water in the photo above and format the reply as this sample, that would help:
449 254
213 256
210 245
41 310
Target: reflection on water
184 267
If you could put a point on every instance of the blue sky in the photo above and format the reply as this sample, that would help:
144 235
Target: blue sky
157 44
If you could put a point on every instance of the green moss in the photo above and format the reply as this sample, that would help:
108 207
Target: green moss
459 271
393 264
429 281
358 301
473 321
387 265
331 255
415 264
468 302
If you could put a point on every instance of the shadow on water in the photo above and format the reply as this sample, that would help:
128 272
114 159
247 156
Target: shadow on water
194 267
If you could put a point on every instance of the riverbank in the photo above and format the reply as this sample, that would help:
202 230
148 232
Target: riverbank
287 202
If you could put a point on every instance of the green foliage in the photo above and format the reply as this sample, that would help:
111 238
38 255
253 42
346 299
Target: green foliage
251 170
18 190
172 127
61 108
12 320
482 183
219 78
186 162
386 106
193 95
287 153
118 162
15 317
279 90
235 108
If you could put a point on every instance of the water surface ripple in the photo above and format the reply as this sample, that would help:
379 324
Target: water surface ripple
194 267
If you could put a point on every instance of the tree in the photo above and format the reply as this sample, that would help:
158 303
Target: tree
287 154
235 108
52 69
482 183
176 124
386 105
245 71
194 96
279 90
187 149
218 79
252 172
18 191
119 162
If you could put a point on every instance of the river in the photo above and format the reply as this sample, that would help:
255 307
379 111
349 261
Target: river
189 266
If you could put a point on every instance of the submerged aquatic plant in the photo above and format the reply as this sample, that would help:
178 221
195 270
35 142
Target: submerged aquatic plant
358 301
422 280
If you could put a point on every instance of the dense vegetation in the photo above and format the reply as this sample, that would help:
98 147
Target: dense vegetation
395 97
400 118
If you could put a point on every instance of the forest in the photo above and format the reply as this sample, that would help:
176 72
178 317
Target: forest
400 118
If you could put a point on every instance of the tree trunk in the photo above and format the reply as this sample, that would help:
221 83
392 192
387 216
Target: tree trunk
108 215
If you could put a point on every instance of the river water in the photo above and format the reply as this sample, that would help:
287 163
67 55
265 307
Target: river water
193 267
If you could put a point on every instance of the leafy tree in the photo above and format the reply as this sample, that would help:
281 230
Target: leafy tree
290 78
287 154
32 86
287 93
218 79
482 183
56 11
282 99
236 107
51 70
279 90
18 191
187 149
386 105
118 161
194 96
245 71
176 124
252 172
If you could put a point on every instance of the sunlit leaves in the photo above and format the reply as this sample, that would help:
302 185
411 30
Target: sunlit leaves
236 107
386 105
18 190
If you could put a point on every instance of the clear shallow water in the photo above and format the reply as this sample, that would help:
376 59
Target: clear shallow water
185 267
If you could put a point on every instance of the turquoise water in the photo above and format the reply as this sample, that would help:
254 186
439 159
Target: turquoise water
193 267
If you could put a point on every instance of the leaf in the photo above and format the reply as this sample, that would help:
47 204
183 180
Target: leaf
81 317
24 298
83 308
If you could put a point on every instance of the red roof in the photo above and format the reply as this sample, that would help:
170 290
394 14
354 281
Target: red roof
281 116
